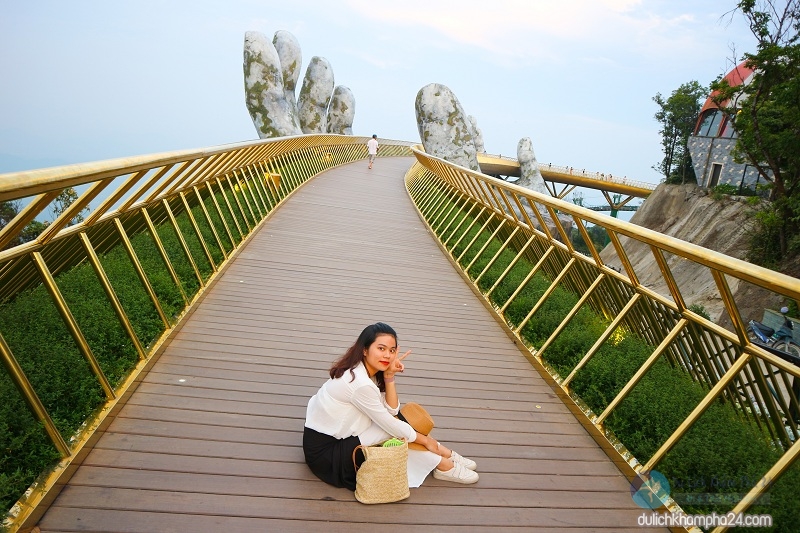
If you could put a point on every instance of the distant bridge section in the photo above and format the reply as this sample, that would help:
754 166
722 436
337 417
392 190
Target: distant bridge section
609 208
495 165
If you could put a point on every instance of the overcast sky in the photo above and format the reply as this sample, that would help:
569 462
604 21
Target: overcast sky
91 80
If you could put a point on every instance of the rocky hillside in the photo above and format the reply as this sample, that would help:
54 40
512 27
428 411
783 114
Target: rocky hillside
689 213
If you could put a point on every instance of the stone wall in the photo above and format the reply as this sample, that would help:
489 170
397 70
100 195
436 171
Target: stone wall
706 151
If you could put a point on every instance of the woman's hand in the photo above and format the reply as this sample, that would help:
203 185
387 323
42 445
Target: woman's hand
396 365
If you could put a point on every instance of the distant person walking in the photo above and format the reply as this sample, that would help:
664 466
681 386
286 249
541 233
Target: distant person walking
372 149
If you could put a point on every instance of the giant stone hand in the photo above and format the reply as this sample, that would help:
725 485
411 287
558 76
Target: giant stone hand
271 71
265 97
443 126
530 175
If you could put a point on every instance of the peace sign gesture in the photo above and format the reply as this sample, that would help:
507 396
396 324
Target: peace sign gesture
396 365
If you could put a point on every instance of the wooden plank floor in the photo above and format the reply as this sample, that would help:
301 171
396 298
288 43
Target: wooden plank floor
211 440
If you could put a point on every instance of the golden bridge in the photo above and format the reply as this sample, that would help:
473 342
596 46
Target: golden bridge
159 351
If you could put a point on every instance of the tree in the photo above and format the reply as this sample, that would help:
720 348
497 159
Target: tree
678 117
9 210
62 203
765 113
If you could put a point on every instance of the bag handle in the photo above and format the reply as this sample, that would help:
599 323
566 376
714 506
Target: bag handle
354 455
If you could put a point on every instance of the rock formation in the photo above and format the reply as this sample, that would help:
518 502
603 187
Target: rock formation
531 178
530 175
341 111
447 132
271 71
266 101
477 135
689 213
443 126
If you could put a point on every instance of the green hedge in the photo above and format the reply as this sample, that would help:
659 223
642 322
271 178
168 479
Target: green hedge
724 452
44 348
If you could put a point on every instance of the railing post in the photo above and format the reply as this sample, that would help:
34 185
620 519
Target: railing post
112 295
163 252
487 243
140 272
527 279
603 338
209 221
238 204
182 241
28 393
230 208
197 231
71 323
503 247
543 298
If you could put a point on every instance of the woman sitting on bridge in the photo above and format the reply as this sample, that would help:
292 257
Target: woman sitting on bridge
357 406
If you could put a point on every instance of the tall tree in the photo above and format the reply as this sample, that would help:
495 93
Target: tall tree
765 113
8 210
677 116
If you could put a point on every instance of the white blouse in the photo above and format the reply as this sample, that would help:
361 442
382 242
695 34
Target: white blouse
343 408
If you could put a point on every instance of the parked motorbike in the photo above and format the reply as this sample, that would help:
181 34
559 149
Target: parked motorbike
782 344
780 340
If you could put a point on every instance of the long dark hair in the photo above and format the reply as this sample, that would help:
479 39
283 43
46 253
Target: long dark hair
355 354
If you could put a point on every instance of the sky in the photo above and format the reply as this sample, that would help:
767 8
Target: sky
92 80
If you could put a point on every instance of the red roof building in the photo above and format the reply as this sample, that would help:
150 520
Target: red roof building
713 140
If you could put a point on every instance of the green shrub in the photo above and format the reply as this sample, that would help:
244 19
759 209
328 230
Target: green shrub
700 310
61 377
140 310
50 358
724 189
48 354
722 445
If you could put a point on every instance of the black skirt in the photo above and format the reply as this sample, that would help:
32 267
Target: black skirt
331 459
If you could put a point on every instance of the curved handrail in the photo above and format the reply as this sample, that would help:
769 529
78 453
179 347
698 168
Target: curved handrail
209 202
222 194
467 210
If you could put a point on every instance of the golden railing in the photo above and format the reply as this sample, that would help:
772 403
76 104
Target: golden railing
467 211
217 197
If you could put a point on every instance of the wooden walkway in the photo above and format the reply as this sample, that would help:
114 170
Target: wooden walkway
211 439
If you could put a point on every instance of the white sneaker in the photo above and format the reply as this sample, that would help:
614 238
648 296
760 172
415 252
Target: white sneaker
463 461
457 474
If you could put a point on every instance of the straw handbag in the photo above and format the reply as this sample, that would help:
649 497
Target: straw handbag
383 476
